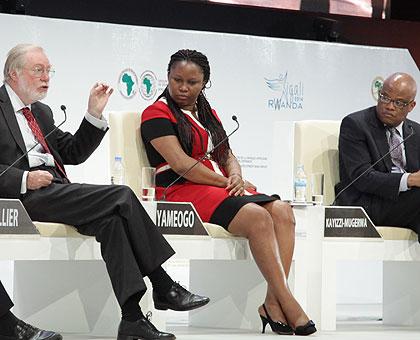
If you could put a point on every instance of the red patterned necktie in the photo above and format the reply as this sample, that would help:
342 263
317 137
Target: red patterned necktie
40 137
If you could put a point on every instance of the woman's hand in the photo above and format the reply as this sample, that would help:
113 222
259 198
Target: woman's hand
235 185
249 185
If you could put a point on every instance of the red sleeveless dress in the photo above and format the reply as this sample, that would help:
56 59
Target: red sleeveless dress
212 203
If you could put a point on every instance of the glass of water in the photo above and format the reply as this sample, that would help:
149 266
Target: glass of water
317 187
148 184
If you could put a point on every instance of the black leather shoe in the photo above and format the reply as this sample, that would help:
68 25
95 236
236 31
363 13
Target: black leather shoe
179 299
24 331
141 329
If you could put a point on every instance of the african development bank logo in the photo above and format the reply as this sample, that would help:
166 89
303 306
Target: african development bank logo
148 85
127 83
376 87
289 94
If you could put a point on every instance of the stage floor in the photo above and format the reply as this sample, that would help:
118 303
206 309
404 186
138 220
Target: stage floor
345 331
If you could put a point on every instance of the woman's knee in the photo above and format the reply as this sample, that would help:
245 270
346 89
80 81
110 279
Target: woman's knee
252 219
282 213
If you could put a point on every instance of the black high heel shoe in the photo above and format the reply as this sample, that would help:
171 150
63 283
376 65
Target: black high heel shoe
306 329
276 326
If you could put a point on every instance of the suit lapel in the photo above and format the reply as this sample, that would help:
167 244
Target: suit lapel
9 115
410 149
379 136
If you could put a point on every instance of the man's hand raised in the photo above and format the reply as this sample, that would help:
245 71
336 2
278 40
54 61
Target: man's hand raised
98 98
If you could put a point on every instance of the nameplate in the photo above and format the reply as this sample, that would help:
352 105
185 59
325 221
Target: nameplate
177 218
348 222
14 220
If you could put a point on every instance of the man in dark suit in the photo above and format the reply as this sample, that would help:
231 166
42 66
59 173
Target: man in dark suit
131 245
389 191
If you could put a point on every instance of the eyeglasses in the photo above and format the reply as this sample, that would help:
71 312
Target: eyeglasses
38 71
400 104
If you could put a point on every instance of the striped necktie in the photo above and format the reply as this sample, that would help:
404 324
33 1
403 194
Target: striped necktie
395 142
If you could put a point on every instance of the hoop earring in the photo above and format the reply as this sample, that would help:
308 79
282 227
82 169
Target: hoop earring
208 85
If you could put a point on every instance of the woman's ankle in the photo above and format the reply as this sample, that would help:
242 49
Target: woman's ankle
272 311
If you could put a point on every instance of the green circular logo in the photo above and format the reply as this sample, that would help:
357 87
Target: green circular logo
377 84
148 85
127 83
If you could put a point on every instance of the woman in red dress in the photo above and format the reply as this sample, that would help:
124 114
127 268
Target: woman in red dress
177 130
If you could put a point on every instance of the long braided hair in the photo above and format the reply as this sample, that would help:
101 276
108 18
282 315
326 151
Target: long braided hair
205 116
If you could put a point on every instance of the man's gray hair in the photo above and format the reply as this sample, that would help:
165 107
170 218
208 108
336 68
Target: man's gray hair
16 58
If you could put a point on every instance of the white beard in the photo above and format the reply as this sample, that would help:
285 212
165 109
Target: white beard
32 95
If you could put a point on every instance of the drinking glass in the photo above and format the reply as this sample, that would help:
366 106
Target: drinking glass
317 187
148 184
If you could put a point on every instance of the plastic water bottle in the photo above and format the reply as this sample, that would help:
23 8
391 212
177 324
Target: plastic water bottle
300 184
117 175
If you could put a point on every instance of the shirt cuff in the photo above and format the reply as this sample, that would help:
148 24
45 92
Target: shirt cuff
50 160
99 123
403 182
23 188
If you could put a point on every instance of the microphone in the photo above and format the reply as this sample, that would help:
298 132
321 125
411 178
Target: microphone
201 158
63 108
371 167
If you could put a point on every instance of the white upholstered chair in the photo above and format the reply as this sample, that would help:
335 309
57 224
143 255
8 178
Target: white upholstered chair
316 147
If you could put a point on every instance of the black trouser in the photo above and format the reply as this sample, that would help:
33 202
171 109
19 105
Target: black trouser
5 302
405 212
131 245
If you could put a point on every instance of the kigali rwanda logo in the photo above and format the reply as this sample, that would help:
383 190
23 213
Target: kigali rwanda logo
290 95
127 83
377 84
148 85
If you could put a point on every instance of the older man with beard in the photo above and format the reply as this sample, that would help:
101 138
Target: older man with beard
131 245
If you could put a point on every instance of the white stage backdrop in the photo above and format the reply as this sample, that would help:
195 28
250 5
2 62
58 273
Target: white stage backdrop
261 80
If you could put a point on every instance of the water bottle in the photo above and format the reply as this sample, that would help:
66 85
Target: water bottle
117 175
300 184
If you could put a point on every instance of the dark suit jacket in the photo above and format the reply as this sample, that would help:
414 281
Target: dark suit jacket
65 147
362 142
